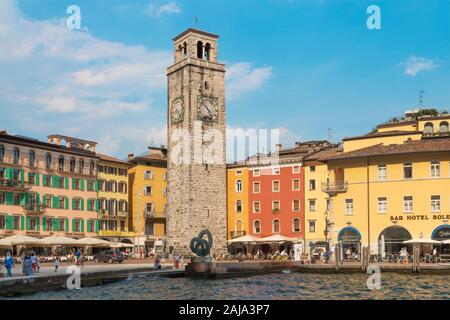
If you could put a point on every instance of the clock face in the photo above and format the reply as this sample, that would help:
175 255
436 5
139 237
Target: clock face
177 110
207 109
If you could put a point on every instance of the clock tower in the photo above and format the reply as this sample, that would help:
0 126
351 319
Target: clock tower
196 123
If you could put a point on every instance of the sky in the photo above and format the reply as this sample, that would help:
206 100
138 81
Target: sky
301 66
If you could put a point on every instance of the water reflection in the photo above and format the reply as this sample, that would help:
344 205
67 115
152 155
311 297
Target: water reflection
273 286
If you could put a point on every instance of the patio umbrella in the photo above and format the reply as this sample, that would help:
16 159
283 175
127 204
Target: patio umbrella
59 241
446 241
94 242
277 238
243 239
19 240
422 241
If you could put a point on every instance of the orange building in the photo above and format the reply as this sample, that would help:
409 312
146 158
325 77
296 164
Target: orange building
237 200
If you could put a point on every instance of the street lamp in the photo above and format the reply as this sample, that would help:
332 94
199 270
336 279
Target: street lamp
140 214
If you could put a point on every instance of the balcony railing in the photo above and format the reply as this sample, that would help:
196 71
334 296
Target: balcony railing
34 208
333 188
237 234
14 185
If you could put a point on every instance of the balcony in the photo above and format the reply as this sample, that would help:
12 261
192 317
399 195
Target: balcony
14 185
333 188
122 214
34 208
237 234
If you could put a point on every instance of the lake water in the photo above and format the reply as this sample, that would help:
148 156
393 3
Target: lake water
271 286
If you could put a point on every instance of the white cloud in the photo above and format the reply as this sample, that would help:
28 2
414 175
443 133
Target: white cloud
413 65
243 78
156 9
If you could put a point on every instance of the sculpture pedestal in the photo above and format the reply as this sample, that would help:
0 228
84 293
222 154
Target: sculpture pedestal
200 267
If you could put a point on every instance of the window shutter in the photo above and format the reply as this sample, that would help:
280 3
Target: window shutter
28 223
67 225
38 198
38 223
73 184
73 225
82 204
22 199
22 176
82 225
82 184
37 178
88 227
97 205
97 225
22 222
96 185
55 225
67 203
9 173
44 200
44 223
66 183
53 178
9 199
73 203
54 202
9 223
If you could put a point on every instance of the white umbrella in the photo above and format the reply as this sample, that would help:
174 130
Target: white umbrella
277 238
247 238
446 241
59 241
94 242
19 240
422 241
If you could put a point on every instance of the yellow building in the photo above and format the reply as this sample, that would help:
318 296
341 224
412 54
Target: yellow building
390 185
113 199
237 200
148 198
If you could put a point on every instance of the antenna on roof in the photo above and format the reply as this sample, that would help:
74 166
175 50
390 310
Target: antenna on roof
330 135
196 23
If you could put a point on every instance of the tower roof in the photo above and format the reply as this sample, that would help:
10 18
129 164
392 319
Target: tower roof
192 30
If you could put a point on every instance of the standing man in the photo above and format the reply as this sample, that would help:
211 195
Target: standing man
9 264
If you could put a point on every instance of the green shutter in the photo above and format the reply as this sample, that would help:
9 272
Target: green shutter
55 224
67 203
53 178
82 184
88 227
38 198
22 176
89 205
73 184
38 224
82 225
73 203
37 178
22 199
97 205
73 225
44 224
82 204
9 222
54 201
9 173
44 200
28 223
22 222
9 198
96 185
97 225
67 225
66 183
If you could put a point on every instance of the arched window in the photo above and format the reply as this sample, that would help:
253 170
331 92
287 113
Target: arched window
48 161
16 156
429 128
31 158
72 164
2 154
238 206
435 168
296 225
208 52
184 50
238 185
443 126
91 167
61 163
239 226
276 226
257 227
200 50
80 166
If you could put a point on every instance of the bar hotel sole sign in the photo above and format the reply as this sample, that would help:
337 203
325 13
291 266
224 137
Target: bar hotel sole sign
416 217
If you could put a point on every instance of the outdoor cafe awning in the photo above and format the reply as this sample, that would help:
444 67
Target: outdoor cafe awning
94 242
59 241
277 238
18 240
244 239
422 241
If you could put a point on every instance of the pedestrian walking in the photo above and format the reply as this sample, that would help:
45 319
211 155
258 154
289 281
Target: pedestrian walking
9 264
27 265
56 264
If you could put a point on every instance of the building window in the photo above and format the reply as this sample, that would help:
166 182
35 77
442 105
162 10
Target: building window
16 199
296 225
81 166
91 205
276 186
382 205
443 127
312 226
276 226
256 187
32 178
2 198
122 187
2 154
408 205
62 202
148 175
276 206
48 201
61 163
256 207
256 173
296 169
238 172
148 190
76 204
31 158
239 186
312 185
91 167
46 181
276 171
34 223
348 206
16 223
435 168
238 206
77 225
76 184
257 227
90 185
382 172
2 222
428 128
295 205
48 161
72 165
407 171
149 207
312 168
16 156
435 203
312 205
295 185
48 224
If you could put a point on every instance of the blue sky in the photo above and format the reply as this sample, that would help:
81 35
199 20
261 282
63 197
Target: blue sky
299 65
